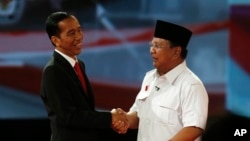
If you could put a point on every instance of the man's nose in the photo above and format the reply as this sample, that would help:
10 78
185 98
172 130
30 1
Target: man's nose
151 50
79 36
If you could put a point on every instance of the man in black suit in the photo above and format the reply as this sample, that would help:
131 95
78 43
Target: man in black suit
68 100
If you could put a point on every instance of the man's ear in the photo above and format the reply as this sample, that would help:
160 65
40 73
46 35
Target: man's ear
55 40
177 52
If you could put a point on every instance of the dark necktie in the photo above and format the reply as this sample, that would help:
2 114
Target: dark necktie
80 76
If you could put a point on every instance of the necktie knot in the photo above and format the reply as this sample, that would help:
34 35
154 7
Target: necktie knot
77 67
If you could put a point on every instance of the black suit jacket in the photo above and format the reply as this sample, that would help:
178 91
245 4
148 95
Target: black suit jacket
72 114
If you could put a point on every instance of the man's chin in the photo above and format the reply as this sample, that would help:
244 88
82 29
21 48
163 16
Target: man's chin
155 65
78 52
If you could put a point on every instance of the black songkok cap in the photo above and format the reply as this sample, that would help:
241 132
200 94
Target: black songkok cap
172 32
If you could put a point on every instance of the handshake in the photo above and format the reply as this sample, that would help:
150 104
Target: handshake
122 120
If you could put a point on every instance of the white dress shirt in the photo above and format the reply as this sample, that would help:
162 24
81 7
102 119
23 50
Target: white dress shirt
167 103
69 59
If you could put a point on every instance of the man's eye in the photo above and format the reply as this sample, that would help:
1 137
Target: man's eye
79 30
71 33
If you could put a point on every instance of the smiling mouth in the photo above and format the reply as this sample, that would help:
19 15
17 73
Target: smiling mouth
79 45
154 59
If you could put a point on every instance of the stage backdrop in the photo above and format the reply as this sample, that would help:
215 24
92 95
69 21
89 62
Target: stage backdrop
238 90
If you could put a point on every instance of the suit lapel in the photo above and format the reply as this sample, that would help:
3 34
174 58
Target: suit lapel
90 92
70 69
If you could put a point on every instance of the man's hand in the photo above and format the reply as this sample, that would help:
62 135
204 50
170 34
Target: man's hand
119 121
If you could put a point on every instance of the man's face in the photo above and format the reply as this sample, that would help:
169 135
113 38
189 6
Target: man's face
70 38
162 55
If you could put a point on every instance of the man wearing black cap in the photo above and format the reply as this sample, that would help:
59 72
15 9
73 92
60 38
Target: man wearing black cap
172 103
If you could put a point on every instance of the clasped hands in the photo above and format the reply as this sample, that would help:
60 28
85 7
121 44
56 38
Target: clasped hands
120 122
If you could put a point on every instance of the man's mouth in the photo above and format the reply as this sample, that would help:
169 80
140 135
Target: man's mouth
78 45
154 58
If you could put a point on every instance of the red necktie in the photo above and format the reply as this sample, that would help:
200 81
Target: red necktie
80 76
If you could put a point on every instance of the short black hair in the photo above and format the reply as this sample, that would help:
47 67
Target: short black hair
52 21
184 50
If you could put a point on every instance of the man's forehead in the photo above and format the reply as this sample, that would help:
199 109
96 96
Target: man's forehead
69 24
159 40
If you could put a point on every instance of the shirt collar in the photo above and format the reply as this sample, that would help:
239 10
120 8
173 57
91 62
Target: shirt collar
69 59
172 74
